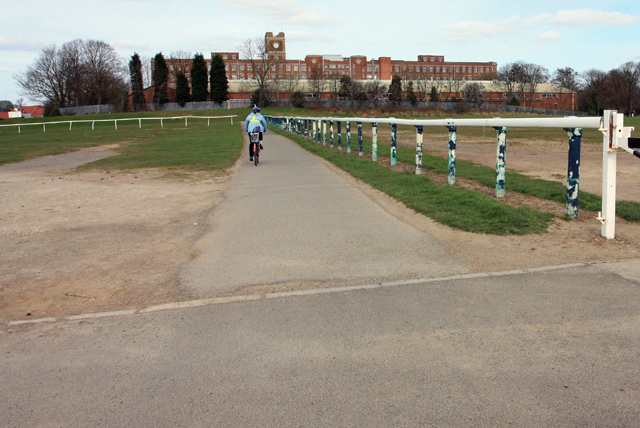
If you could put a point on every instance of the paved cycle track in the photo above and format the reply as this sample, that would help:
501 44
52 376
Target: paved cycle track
293 219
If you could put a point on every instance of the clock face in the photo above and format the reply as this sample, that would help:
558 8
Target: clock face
276 45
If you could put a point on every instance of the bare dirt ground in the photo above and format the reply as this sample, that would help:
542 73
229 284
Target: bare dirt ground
74 243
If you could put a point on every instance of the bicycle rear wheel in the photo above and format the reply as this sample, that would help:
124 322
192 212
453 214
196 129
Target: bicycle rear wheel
256 151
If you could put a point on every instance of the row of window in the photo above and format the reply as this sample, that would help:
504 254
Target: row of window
445 69
370 68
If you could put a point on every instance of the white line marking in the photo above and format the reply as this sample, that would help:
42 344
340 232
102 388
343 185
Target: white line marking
38 321
102 315
253 297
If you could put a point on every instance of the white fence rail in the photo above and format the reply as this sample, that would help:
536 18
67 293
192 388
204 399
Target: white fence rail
115 121
615 136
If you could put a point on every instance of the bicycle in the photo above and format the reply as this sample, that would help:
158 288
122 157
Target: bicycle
254 138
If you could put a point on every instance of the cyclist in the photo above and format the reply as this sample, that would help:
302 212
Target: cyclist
255 122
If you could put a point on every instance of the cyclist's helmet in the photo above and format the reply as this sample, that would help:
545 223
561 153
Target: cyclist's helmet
256 109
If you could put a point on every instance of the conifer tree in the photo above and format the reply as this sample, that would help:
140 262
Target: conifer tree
137 87
160 79
395 89
182 89
199 78
219 82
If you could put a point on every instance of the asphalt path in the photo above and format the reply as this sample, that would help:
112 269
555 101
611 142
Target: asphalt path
557 347
554 348
292 218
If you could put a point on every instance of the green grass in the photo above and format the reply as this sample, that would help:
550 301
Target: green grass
454 206
197 147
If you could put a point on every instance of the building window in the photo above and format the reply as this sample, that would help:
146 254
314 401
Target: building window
234 68
171 68
437 69
397 68
457 69
444 69
481 69
241 67
411 69
226 68
273 67
224 57
295 68
303 67
475 69
288 67
464 69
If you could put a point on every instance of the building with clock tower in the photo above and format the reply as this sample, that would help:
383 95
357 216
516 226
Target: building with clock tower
275 46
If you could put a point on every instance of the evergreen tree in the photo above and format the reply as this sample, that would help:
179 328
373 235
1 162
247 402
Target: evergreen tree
182 89
219 82
411 96
137 87
199 78
433 96
160 79
395 89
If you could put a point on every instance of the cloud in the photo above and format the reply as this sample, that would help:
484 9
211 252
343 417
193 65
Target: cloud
5 69
285 11
549 36
583 19
20 44
462 31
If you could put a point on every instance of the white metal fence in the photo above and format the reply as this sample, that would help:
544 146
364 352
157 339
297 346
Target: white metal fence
115 121
615 136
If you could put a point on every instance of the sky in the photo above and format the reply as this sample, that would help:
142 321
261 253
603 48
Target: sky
582 34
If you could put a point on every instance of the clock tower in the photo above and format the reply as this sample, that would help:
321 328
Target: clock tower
275 45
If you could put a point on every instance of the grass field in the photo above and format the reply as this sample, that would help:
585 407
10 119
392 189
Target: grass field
197 147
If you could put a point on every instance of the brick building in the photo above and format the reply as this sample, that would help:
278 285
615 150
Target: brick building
289 75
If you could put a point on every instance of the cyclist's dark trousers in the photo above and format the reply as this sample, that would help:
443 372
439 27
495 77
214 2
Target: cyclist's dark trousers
251 146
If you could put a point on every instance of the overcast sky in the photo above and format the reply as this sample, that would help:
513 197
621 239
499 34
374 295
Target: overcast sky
579 34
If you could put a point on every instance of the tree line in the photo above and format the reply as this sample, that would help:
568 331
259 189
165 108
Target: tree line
194 87
78 73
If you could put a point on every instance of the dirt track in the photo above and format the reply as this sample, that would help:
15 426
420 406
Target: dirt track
74 243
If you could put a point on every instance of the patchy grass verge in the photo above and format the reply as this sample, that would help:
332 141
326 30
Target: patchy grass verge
454 206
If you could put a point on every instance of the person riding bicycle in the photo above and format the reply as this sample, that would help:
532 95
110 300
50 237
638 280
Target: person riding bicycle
255 122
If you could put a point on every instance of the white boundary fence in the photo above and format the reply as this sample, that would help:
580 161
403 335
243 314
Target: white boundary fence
615 136
115 121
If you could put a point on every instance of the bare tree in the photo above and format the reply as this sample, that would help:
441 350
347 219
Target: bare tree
146 71
474 94
316 82
106 71
533 76
79 73
44 80
376 91
73 61
592 96
262 66
508 78
180 61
